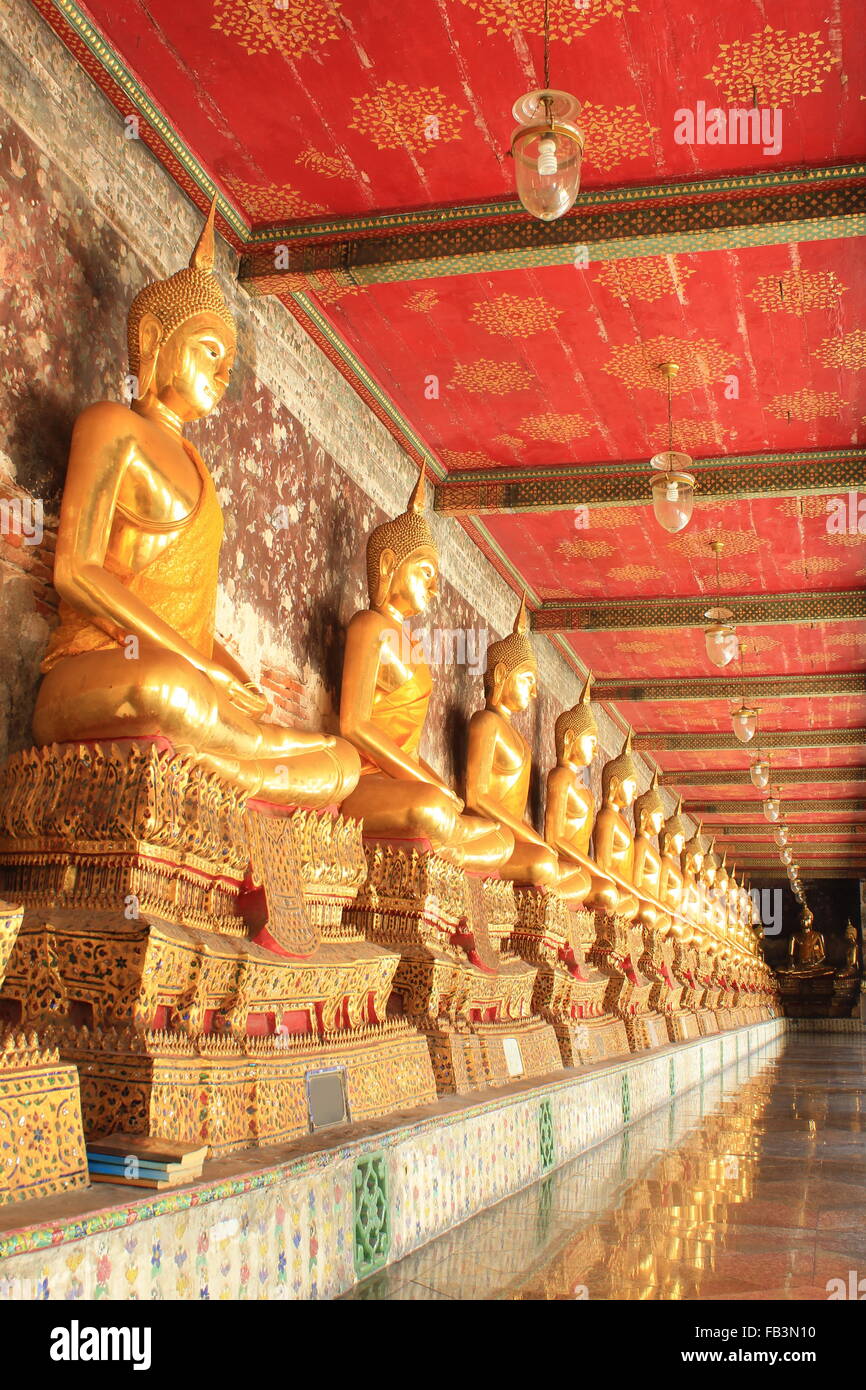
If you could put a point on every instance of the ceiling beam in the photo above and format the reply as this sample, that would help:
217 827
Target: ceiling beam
781 777
713 214
626 690
762 610
745 808
665 741
769 876
573 486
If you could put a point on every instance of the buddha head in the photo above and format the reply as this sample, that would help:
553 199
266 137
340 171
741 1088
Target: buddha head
181 336
619 777
576 732
649 809
673 835
709 870
722 877
807 918
402 560
511 677
694 851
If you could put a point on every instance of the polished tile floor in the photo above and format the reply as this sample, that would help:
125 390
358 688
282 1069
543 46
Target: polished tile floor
752 1186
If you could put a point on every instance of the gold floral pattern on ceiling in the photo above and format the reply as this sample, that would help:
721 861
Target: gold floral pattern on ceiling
849 350
568 19
637 648
644 277
488 375
581 548
422 301
271 200
772 67
396 117
847 540
797 291
329 289
811 506
758 642
556 428
690 434
465 458
845 639
701 360
513 316
697 546
615 518
509 441
815 564
288 27
614 134
635 574
330 166
806 404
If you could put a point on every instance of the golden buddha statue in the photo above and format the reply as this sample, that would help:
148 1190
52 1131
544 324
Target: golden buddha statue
137 562
852 950
692 863
613 839
499 764
384 704
570 807
649 818
806 949
672 839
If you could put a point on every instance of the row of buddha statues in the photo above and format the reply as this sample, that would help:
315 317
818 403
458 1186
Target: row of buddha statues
134 664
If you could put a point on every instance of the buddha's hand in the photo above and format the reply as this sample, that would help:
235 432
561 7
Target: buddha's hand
455 798
248 697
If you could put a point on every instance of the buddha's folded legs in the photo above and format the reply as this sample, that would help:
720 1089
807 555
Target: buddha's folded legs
574 882
420 811
533 865
104 695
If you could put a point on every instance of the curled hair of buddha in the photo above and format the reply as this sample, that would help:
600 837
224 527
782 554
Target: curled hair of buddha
405 535
193 290
578 720
649 801
697 844
672 826
512 651
620 769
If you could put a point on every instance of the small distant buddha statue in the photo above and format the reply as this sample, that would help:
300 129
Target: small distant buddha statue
613 839
671 841
135 655
570 808
499 764
692 863
852 950
649 818
806 951
384 701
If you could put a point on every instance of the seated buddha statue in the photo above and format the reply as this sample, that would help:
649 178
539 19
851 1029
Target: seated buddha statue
806 950
499 764
613 839
569 813
672 838
852 950
692 899
383 706
649 817
138 546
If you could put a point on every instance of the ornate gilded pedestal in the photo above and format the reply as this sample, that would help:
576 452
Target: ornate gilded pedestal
706 973
658 964
458 979
191 951
807 994
41 1138
684 1023
618 949
569 992
846 992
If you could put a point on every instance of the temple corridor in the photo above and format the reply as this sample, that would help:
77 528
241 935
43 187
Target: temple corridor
751 1186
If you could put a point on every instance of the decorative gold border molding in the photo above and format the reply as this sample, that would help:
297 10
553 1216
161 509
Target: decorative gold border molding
665 741
592 615
733 777
630 691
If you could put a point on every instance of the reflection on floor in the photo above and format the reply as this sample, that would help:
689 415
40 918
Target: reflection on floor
751 1187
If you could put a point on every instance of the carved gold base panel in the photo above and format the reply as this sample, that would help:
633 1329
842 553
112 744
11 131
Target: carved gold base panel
682 1026
41 1136
707 1022
569 992
459 980
233 1093
619 948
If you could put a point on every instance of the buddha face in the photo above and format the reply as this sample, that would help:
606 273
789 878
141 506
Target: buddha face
193 366
580 749
675 844
652 821
627 791
518 689
414 582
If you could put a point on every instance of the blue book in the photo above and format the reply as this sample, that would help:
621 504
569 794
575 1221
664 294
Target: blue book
136 1169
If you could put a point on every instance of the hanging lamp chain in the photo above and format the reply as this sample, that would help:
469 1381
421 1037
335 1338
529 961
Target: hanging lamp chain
547 47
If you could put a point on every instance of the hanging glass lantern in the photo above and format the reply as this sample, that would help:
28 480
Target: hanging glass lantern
772 809
673 490
787 856
720 637
780 835
760 771
548 152
744 722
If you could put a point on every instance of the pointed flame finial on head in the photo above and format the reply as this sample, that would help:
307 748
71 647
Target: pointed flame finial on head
204 253
521 622
626 747
585 694
418 499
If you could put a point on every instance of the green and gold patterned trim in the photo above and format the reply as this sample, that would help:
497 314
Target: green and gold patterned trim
664 741
739 777
574 615
751 688
746 808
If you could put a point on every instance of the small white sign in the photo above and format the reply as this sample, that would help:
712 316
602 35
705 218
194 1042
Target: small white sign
513 1059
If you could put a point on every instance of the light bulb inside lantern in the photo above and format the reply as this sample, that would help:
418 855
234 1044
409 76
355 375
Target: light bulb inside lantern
673 491
744 723
771 808
787 856
781 835
547 156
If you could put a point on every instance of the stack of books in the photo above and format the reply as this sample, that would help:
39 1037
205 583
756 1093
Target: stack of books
135 1160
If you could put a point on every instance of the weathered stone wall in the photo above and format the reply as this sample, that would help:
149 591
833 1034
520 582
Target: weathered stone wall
88 217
